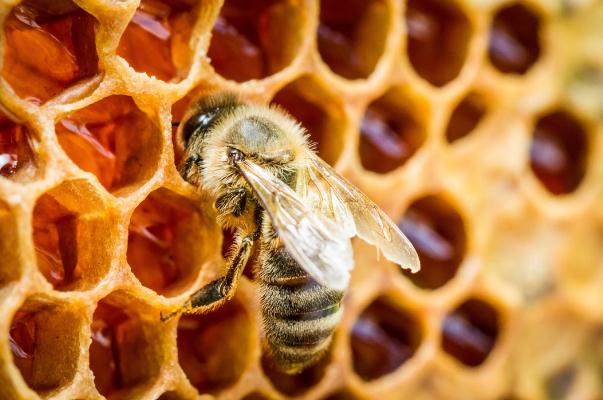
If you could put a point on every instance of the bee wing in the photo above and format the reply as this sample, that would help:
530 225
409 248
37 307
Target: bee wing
370 223
319 246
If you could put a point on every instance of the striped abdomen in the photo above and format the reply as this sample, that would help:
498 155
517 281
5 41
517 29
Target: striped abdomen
299 315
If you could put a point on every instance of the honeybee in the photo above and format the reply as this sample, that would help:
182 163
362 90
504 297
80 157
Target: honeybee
281 198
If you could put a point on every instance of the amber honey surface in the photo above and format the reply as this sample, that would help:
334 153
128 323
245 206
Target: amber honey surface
476 125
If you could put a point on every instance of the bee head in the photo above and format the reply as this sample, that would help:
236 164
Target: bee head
204 116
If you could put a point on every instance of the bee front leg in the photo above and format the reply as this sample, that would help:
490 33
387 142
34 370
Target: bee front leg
220 290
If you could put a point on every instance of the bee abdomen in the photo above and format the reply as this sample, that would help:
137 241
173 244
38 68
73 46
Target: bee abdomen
299 315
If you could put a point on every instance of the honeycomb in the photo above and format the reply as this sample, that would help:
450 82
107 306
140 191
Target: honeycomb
475 124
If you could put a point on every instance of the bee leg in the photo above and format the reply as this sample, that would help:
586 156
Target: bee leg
232 202
220 290
187 169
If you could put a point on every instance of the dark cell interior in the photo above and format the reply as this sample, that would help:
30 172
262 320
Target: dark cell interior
156 40
123 352
113 139
213 349
308 104
9 246
35 334
470 332
298 384
383 338
15 148
559 152
390 133
61 235
255 38
437 30
437 232
351 38
465 117
514 39
49 46
165 242
255 396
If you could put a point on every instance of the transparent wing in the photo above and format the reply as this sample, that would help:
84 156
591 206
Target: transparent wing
369 222
319 246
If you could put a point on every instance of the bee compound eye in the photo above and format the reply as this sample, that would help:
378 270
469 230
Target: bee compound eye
199 123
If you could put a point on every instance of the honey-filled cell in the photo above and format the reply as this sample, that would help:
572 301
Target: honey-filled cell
17 160
514 39
167 242
351 36
391 132
35 334
63 237
465 117
253 39
437 232
470 332
320 114
214 348
383 338
156 41
559 152
437 30
48 47
125 351
113 139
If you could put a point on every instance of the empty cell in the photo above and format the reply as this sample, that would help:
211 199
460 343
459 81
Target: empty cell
252 39
17 160
351 37
49 46
214 348
438 37
256 396
465 117
297 384
437 232
318 112
559 152
390 133
384 337
343 395
64 232
514 39
36 332
125 352
156 41
470 332
167 242
113 139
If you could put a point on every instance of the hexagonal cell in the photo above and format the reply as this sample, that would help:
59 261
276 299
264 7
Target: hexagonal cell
49 46
9 247
214 348
168 241
470 332
559 152
384 337
351 39
320 114
295 385
437 232
125 352
17 160
256 38
514 39
391 132
65 230
36 332
113 139
437 30
156 41
466 116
